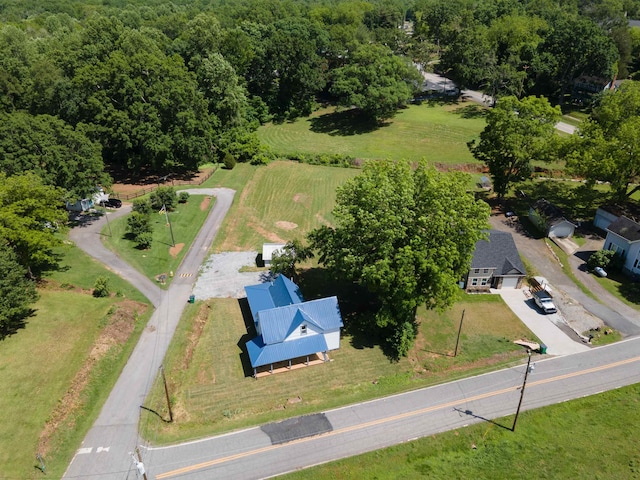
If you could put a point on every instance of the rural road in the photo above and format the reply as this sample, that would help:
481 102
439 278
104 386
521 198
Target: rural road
257 452
104 453
437 82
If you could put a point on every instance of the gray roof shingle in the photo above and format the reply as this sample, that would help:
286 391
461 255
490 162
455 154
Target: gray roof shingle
627 229
498 252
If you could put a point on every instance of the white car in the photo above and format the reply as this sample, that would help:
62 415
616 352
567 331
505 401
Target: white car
600 272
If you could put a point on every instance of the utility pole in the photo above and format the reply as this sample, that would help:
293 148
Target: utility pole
524 384
166 214
106 215
458 339
139 464
166 392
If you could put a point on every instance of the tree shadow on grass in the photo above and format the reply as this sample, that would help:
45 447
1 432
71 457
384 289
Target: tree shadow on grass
357 305
344 123
577 202
471 111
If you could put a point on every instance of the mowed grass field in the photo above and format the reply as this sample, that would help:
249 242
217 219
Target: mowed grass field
436 132
593 437
162 257
278 202
209 380
56 372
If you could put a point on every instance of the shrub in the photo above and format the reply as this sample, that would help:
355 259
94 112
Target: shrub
144 240
142 205
164 196
183 197
101 287
229 161
606 259
138 223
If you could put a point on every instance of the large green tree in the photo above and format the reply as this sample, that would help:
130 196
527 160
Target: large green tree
30 214
405 234
608 145
517 132
375 81
59 154
17 294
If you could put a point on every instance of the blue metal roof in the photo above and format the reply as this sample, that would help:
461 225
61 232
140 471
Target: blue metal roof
277 323
277 293
261 354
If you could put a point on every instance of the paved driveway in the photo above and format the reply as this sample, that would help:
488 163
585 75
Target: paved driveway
550 329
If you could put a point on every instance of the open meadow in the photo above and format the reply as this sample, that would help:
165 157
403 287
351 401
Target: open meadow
435 131
57 372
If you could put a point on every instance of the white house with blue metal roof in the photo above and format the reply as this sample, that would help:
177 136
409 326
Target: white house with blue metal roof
288 327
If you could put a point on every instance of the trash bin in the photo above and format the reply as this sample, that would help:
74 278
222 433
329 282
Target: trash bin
192 298
543 348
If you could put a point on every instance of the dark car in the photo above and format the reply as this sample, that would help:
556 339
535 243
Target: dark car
112 203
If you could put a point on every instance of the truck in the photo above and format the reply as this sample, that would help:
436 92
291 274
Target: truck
544 301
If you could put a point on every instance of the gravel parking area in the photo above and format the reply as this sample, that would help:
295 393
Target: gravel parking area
220 275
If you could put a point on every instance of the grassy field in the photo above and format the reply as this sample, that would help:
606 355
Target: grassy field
207 367
279 202
57 372
161 258
436 132
594 437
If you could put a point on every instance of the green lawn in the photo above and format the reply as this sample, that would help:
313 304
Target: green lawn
185 222
436 132
206 368
278 202
594 437
38 365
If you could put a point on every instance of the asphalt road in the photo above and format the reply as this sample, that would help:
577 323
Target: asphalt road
104 453
253 453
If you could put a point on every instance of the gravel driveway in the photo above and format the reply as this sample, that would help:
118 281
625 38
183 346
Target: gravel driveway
220 275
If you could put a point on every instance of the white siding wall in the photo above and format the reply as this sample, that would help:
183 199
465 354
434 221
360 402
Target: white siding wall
333 339
603 219
297 333
562 230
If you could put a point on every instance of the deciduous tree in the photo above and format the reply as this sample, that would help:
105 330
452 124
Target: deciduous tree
17 293
407 235
517 132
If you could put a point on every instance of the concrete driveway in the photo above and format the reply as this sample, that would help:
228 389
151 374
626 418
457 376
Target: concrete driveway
550 329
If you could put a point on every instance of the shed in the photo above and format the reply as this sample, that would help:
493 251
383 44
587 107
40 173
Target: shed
550 220
268 251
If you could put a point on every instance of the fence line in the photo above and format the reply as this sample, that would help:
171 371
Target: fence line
145 190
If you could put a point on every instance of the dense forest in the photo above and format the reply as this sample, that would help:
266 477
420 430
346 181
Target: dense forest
160 87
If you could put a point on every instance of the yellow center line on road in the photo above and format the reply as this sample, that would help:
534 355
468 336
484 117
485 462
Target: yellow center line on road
199 466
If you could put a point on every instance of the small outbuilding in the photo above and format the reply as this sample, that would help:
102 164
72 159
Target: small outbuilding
550 219
290 329
269 250
496 264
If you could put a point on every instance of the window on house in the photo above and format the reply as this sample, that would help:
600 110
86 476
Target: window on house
485 270
484 281
474 282
635 263
476 270
303 329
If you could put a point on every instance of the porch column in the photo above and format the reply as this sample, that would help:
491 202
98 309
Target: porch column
289 367
307 360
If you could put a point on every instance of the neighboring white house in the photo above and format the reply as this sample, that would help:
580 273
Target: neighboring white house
549 219
289 328
269 250
85 204
607 214
623 237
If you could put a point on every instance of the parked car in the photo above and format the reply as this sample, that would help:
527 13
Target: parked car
111 203
600 272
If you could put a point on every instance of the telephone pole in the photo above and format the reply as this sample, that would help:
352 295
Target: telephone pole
455 354
166 392
524 384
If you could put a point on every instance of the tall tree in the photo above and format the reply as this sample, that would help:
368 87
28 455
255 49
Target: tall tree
59 154
375 81
293 253
30 214
407 235
608 145
517 132
17 294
